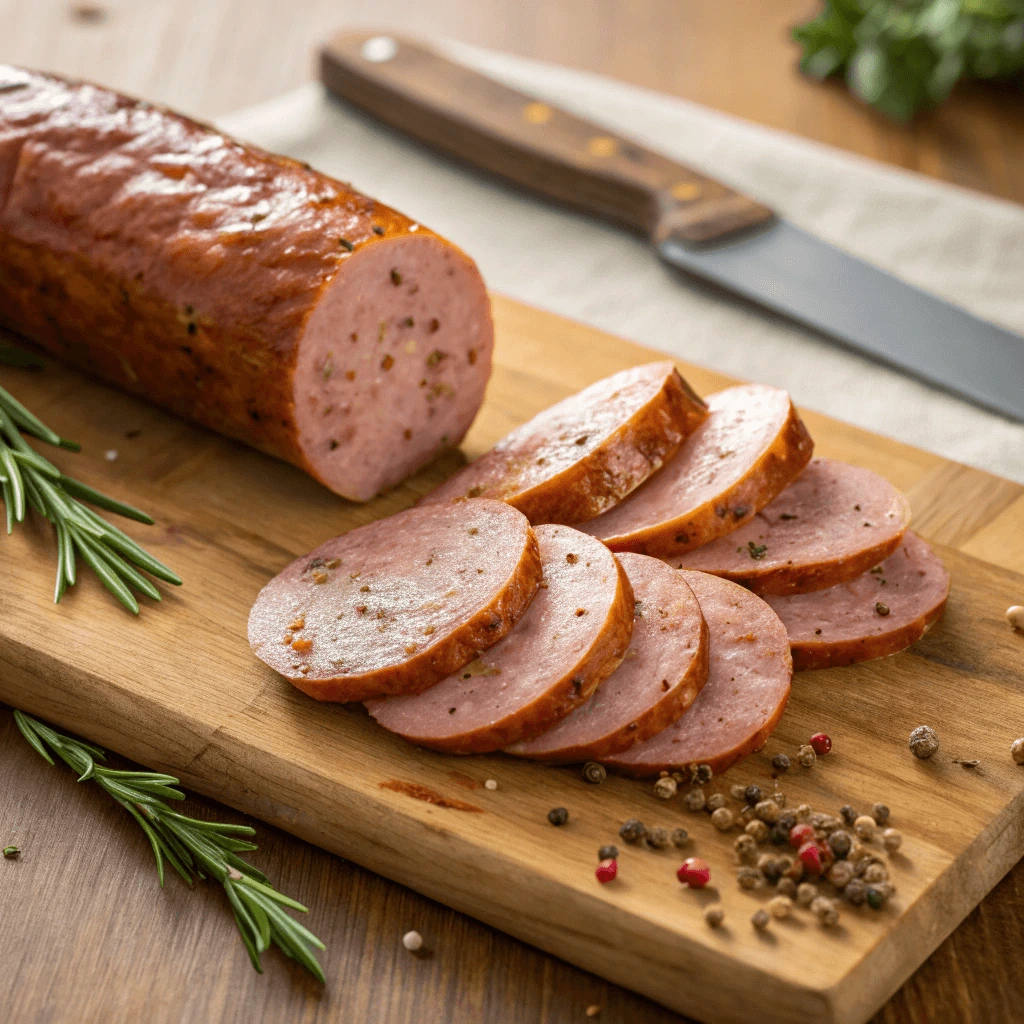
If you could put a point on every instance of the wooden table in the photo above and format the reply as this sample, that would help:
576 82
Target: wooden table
84 892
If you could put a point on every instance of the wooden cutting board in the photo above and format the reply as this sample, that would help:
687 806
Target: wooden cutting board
178 689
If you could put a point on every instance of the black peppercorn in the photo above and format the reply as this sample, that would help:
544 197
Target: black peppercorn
752 794
702 774
875 897
848 814
779 835
633 830
558 816
786 820
840 843
594 773
880 813
680 837
609 852
780 763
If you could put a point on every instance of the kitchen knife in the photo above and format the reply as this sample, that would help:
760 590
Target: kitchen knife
697 224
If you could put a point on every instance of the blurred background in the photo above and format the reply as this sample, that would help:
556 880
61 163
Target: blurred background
209 57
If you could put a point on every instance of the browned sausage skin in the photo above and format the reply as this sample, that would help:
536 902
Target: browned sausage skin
241 290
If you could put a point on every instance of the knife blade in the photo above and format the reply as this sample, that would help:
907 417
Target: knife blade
697 224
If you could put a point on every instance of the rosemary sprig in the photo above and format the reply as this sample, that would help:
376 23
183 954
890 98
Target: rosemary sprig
192 847
27 480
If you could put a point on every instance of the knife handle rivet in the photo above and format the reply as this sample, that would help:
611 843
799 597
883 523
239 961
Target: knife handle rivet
537 113
379 49
602 145
685 191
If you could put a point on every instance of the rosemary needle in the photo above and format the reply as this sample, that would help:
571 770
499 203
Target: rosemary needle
27 480
192 847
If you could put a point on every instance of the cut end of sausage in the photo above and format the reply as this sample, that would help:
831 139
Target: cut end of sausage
749 676
880 613
395 606
665 667
586 453
834 522
393 364
570 640
751 446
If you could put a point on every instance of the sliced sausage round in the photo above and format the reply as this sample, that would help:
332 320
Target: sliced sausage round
585 454
571 638
751 446
882 612
749 676
664 669
832 523
398 604
241 290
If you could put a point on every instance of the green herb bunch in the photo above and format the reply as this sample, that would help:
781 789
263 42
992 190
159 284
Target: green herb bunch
29 480
192 847
904 55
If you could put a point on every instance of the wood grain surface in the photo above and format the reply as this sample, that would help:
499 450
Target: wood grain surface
178 689
87 934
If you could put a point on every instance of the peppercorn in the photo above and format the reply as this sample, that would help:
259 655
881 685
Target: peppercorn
609 852
800 834
746 849
679 778
750 878
848 814
780 798
780 763
606 870
680 837
558 815
714 915
760 919
658 838
855 891
632 830
924 741
757 829
803 812
714 802
891 840
665 788
694 872
695 799
767 811
795 871
806 894
826 911
701 773
1015 617
840 843
821 743
780 907
858 852
786 887
875 873
810 856
880 813
829 824
806 755
865 826
412 941
779 834
737 791
745 816
771 867
594 773
722 819
840 874
752 794
875 897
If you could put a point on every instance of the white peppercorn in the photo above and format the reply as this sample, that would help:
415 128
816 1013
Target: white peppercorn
806 894
680 837
412 941
855 891
757 829
865 826
767 810
924 741
722 819
715 801
1015 617
840 874
1017 750
880 813
875 873
780 907
803 812
701 773
892 840
826 911
750 878
695 799
658 838
736 791
806 755
746 849
786 887
665 788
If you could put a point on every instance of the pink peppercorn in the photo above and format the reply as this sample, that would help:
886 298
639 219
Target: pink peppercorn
694 872
810 855
607 870
821 743
800 834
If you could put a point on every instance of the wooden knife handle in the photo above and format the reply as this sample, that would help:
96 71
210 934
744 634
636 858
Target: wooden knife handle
488 125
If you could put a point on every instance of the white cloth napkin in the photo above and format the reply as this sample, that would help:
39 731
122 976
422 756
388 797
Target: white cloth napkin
957 244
